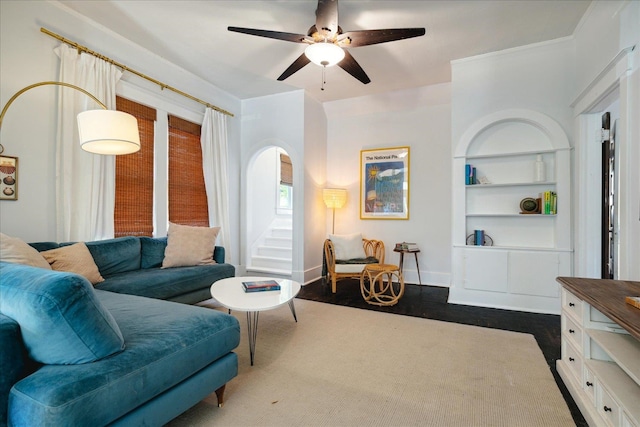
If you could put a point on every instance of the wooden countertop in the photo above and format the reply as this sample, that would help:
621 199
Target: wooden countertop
607 296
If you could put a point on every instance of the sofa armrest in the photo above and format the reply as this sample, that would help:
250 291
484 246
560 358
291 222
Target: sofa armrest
219 254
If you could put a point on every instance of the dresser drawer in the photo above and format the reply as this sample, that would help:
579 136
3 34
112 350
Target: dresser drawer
606 406
572 331
572 305
572 358
589 385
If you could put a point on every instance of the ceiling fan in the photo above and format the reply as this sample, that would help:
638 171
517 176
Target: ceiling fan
327 43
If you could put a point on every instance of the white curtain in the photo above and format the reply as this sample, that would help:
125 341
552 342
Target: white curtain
215 166
85 182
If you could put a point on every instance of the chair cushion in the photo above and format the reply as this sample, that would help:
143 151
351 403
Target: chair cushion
347 246
61 320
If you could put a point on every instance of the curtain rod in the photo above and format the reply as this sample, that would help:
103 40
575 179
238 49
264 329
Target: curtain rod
137 73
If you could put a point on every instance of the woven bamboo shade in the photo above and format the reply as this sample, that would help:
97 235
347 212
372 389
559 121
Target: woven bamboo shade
286 170
134 176
187 193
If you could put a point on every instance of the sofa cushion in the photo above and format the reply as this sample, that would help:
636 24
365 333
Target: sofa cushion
74 258
12 360
61 320
152 250
13 249
166 344
166 283
347 246
189 246
116 255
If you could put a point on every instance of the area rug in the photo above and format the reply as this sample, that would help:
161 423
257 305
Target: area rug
343 366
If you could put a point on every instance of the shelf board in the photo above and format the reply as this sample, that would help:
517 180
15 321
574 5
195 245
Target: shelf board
623 349
514 248
511 154
618 383
511 184
499 215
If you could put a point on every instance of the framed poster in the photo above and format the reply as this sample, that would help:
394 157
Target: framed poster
384 183
8 178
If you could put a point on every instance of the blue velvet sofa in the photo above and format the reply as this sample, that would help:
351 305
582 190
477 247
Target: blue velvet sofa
121 353
131 265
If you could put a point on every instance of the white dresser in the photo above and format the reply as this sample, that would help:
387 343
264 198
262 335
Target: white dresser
600 362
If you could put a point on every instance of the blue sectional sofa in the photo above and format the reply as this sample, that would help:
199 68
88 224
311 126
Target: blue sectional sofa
121 353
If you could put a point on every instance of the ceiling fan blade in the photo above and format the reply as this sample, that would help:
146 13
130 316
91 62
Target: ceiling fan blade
327 18
369 37
350 65
295 66
278 35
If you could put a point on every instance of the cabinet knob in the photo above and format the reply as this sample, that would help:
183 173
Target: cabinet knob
589 384
571 304
571 359
571 331
607 409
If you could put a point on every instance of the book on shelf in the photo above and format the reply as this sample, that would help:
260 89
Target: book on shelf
549 203
261 285
634 301
470 175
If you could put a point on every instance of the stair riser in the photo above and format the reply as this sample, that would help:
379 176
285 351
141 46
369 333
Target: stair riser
273 251
278 242
282 232
275 263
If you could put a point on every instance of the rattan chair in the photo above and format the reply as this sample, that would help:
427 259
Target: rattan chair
343 269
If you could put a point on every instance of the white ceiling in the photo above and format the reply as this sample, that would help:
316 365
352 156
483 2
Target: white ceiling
193 34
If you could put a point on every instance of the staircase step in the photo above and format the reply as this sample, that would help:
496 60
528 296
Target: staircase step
286 232
270 262
273 272
274 251
280 242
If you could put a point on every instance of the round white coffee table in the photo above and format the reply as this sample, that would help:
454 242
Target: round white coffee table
230 294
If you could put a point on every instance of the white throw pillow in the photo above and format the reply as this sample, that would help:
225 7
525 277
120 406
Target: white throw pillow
188 246
347 246
15 250
74 258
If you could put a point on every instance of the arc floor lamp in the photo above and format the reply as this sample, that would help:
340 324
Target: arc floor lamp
106 132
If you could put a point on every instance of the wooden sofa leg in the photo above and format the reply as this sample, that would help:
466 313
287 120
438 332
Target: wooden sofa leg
220 395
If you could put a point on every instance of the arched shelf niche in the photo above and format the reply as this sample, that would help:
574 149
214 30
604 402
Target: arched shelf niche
529 250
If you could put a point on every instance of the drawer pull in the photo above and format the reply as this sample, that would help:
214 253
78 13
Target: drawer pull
571 359
571 304
571 331
607 409
589 384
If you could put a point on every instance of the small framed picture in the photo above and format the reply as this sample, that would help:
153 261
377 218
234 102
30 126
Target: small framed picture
8 178
384 183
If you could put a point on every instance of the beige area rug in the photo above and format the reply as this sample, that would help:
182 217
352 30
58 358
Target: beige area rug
342 366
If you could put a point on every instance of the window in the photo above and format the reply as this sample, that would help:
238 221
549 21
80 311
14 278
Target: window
187 193
133 214
285 201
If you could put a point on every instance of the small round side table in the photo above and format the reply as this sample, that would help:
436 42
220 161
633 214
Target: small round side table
381 284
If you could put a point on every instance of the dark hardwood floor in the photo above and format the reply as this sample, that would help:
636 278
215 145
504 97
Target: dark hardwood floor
430 302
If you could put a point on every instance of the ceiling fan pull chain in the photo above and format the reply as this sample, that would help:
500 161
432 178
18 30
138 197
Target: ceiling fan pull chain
324 67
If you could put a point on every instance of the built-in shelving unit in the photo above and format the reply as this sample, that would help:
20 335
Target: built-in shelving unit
529 250
600 362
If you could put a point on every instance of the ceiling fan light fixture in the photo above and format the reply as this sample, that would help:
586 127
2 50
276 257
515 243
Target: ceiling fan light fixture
324 54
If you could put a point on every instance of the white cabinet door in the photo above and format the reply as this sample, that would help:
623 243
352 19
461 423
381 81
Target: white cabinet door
534 273
485 270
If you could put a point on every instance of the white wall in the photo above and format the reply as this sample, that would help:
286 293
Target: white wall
28 130
421 119
276 120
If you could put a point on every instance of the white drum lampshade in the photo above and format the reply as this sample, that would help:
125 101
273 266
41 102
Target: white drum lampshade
108 132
